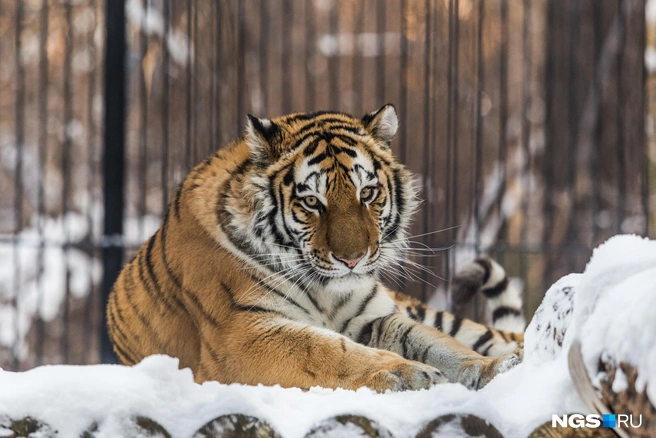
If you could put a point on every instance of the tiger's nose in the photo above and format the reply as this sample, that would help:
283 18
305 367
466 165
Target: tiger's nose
350 262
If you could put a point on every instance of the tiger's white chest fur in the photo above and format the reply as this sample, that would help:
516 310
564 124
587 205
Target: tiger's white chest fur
342 305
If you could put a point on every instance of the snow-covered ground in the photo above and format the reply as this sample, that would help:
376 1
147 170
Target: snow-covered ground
610 309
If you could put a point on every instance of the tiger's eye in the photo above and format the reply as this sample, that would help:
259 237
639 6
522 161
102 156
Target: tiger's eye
366 193
311 201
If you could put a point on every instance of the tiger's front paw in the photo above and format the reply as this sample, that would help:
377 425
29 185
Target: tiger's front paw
513 359
402 375
475 374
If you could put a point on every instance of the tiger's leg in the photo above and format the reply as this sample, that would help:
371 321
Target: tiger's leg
257 348
139 293
480 338
416 341
487 277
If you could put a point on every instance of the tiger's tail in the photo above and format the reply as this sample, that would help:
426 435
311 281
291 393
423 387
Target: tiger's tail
503 296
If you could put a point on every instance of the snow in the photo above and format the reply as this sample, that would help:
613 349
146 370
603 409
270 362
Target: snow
367 44
650 51
616 305
650 12
42 272
609 308
545 334
150 21
155 388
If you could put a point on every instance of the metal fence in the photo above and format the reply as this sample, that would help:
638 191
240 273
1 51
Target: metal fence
527 122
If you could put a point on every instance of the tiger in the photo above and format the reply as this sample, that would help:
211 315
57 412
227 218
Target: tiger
266 266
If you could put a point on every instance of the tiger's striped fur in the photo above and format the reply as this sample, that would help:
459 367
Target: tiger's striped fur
265 269
488 277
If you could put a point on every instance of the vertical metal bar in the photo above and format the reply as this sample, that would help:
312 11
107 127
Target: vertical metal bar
166 15
194 90
548 165
287 88
264 51
526 133
479 126
619 107
573 119
66 174
435 117
646 177
403 282
449 134
333 61
241 80
380 59
454 133
188 73
143 128
503 107
113 158
357 58
595 156
213 73
310 94
403 104
91 141
478 142
18 177
428 145
42 154
219 64
473 123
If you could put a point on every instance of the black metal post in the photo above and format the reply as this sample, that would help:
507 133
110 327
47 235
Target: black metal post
113 159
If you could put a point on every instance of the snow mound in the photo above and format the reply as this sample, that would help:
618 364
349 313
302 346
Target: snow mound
610 309
615 312
544 337
71 398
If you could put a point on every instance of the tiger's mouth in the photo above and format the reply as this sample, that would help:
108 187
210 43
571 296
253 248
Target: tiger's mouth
335 268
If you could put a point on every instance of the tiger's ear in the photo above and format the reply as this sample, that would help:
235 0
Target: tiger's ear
263 138
382 124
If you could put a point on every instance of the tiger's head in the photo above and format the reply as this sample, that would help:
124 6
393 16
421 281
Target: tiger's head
330 200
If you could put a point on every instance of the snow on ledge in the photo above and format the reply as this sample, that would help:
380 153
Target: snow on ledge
610 308
70 398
